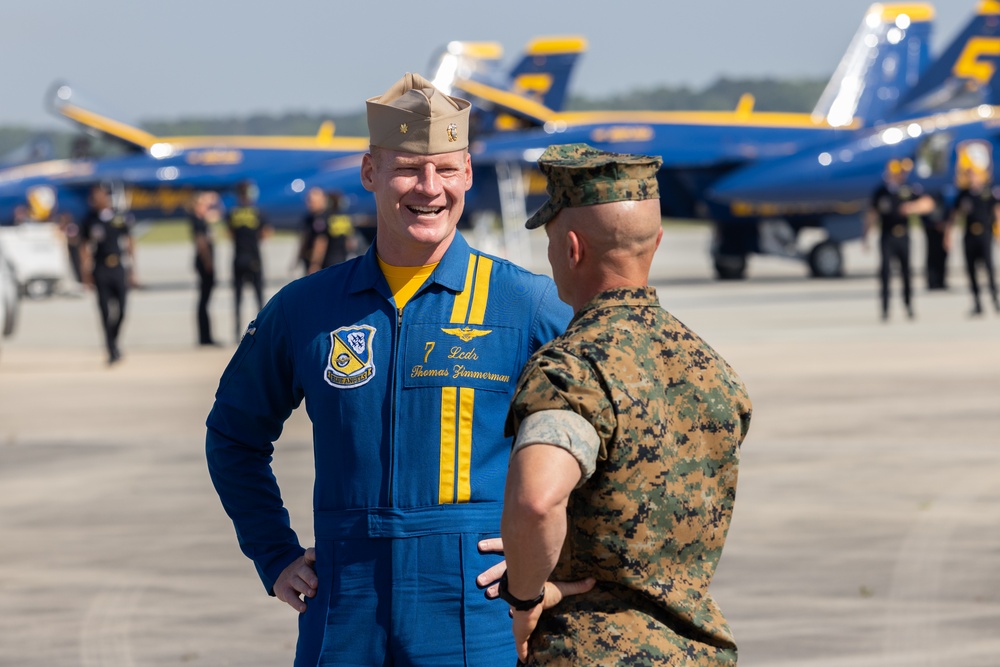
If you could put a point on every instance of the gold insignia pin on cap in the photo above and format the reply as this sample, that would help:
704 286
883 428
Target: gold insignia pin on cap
415 117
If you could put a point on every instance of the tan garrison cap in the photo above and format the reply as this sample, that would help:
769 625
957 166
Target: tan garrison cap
580 175
415 117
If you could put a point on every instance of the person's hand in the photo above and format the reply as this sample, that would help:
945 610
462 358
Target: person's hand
525 621
490 578
296 580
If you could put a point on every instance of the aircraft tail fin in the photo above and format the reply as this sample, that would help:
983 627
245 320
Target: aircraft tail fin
884 61
966 74
64 101
545 68
525 95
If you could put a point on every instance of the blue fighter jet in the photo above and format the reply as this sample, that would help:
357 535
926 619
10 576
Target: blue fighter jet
952 111
884 61
156 176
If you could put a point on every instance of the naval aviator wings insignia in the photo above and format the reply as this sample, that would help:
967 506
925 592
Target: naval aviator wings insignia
466 334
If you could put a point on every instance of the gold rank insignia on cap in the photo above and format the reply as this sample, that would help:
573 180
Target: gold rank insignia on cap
415 117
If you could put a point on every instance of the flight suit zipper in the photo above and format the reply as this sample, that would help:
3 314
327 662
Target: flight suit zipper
392 405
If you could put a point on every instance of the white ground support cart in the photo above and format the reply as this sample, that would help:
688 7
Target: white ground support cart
37 251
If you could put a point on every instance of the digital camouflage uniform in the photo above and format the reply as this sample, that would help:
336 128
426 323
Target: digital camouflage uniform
651 521
650 516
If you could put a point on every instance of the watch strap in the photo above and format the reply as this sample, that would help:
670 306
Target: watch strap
517 604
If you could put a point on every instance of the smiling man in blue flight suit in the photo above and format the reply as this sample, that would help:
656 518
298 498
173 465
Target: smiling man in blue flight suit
407 359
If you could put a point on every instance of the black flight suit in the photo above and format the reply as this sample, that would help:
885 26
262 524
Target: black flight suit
339 232
107 231
976 210
206 277
935 224
313 224
246 225
894 242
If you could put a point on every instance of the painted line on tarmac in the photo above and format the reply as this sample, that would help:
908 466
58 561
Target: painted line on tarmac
106 633
920 596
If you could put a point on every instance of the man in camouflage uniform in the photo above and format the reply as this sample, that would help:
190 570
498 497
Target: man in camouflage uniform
628 428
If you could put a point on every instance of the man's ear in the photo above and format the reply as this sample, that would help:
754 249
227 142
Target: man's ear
368 173
574 248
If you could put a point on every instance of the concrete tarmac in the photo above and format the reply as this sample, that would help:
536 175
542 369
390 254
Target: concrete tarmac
866 531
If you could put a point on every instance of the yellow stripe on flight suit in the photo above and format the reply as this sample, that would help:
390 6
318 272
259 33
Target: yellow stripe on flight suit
446 485
461 306
458 403
482 290
466 400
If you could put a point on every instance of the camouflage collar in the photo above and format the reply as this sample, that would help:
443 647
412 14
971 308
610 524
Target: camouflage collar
621 297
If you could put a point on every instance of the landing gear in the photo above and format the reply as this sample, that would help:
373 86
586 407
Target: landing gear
826 260
730 267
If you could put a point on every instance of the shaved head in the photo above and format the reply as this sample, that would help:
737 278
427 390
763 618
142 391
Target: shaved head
593 248
621 231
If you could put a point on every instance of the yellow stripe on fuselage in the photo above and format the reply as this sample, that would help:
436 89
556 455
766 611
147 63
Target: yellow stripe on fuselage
313 142
512 101
113 127
544 114
756 118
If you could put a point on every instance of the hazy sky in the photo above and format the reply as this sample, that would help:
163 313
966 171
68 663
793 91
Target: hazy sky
161 60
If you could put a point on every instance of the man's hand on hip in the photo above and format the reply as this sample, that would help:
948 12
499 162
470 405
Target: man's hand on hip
297 580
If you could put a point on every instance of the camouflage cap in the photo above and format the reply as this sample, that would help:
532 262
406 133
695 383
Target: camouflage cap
581 175
415 117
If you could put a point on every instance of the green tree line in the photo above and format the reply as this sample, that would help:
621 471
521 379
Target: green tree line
723 94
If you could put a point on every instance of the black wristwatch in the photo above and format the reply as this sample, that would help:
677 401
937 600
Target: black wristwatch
518 604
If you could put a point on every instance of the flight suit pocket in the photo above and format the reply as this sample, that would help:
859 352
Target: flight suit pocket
478 356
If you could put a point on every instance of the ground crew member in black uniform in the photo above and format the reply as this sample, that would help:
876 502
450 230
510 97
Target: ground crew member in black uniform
976 208
248 228
204 213
336 239
892 206
935 228
107 259
313 224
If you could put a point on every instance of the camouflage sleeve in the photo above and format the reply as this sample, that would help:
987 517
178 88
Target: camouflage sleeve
555 379
566 430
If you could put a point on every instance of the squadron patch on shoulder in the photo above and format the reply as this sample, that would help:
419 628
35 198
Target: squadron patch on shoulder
250 330
351 363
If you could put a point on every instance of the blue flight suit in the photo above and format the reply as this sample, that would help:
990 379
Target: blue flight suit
407 412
